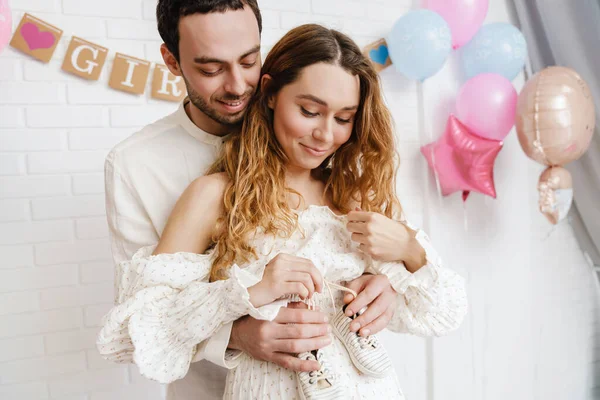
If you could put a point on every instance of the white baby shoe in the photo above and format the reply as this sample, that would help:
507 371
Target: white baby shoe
321 384
367 353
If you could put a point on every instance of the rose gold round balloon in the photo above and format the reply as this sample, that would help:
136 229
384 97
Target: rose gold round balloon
555 116
556 193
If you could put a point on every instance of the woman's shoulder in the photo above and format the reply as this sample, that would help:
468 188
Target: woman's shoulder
210 187
204 196
193 220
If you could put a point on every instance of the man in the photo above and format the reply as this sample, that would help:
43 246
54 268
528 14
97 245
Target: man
214 45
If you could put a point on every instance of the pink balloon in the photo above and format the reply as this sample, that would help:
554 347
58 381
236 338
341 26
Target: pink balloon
464 17
5 24
487 105
462 160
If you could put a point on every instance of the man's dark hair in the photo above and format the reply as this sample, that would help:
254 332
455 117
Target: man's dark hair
169 12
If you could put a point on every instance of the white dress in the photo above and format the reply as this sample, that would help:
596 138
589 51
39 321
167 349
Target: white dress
166 307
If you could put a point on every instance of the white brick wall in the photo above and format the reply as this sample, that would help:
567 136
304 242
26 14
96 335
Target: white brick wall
12 164
21 140
22 347
12 117
10 70
56 277
14 210
106 8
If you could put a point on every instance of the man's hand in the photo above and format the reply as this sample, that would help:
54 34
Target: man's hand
295 330
375 292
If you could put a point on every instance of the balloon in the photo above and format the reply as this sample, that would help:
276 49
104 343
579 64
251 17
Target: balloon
487 104
419 44
555 116
556 193
462 160
498 48
464 17
5 24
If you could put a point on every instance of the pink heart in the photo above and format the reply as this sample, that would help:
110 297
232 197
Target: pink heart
36 39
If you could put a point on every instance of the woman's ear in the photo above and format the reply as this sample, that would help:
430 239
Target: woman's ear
265 80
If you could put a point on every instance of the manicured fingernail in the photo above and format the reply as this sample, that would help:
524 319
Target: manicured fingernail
349 312
326 319
365 332
354 327
328 328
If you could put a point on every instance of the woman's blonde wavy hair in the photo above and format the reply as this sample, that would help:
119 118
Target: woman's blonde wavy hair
361 171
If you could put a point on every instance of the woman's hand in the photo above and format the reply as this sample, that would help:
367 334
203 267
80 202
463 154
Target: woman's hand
376 293
385 239
286 275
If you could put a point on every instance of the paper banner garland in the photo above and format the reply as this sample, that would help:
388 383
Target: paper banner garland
379 55
129 74
166 86
36 38
86 60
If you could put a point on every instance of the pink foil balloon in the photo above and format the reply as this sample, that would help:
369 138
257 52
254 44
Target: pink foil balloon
555 116
487 105
464 17
462 160
5 24
556 193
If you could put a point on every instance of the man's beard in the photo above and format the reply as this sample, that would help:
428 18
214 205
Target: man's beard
233 120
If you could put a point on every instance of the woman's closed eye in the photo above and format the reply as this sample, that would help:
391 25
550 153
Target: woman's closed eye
308 113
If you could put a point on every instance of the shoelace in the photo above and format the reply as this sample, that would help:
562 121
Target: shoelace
363 341
323 373
311 304
369 341
335 286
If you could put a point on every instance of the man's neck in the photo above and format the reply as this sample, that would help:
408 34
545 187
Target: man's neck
204 122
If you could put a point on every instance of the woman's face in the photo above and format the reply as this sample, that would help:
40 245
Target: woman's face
314 115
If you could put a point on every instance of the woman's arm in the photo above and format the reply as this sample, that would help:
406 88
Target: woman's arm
193 221
432 301
168 306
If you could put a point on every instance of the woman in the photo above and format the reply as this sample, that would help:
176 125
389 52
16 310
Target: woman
316 144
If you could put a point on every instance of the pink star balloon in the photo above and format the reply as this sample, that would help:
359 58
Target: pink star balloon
462 160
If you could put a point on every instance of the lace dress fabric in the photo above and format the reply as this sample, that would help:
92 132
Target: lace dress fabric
166 306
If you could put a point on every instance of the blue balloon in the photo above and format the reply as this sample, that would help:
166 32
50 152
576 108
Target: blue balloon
498 48
419 44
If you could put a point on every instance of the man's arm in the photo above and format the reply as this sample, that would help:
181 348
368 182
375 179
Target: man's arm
295 330
131 228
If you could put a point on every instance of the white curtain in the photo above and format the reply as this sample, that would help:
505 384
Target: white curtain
567 33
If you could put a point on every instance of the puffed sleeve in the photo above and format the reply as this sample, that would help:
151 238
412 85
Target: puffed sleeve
432 301
166 306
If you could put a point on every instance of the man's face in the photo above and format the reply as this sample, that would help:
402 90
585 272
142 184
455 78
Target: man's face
220 63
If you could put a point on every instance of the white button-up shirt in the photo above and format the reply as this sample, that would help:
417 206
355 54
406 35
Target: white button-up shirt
144 176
